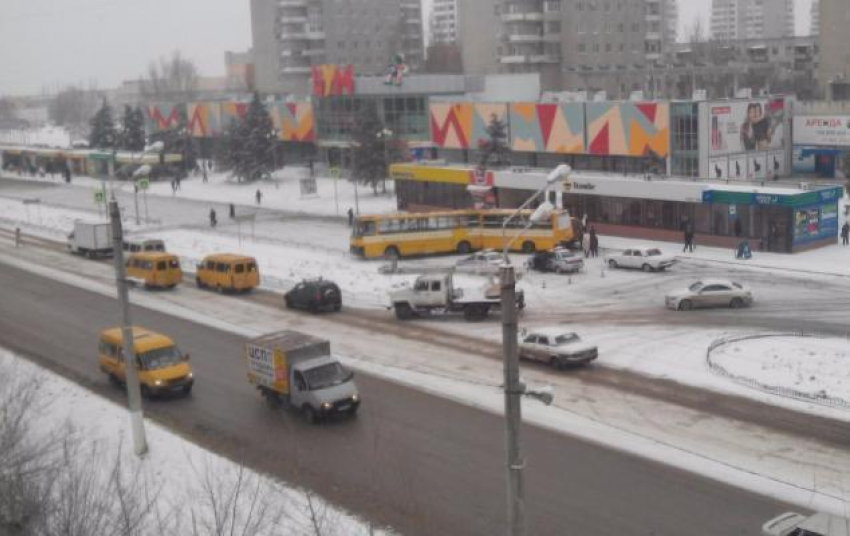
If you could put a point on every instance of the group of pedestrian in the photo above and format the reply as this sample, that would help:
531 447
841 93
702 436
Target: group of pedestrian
175 184
590 244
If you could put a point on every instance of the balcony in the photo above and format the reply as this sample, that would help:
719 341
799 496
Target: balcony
533 16
293 3
293 19
525 38
544 58
300 35
313 52
316 36
296 69
652 56
513 59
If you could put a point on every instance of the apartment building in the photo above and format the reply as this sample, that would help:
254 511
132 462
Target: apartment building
444 21
290 36
751 19
834 71
814 28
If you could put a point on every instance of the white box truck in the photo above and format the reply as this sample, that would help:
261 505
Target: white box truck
91 239
298 369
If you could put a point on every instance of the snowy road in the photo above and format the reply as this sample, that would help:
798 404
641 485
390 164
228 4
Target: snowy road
423 464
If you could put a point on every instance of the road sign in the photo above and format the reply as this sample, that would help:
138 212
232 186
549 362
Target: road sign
99 197
143 184
101 156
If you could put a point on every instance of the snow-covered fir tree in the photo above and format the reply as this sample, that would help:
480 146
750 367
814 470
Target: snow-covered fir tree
369 151
495 149
103 132
248 147
132 130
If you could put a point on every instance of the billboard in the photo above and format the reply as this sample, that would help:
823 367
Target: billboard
294 121
628 129
204 119
163 116
547 127
332 80
746 126
822 130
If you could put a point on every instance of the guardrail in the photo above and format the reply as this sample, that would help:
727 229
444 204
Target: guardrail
817 398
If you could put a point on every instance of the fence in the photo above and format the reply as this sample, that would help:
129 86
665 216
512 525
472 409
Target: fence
818 398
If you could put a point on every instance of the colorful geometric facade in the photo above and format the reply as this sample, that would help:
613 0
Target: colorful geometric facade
463 125
204 119
547 128
163 116
332 80
295 121
628 129
232 112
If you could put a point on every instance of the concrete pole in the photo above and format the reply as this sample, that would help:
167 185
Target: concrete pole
136 202
134 394
513 404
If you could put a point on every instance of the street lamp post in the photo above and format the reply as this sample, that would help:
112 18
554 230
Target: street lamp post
513 387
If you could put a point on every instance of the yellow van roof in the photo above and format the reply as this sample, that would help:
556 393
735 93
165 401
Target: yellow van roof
143 339
152 256
229 257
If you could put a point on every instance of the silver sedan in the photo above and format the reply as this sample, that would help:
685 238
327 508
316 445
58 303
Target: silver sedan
710 293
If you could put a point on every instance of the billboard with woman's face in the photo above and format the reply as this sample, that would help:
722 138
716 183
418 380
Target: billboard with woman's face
744 126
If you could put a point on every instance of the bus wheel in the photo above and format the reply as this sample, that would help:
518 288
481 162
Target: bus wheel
528 247
463 248
391 252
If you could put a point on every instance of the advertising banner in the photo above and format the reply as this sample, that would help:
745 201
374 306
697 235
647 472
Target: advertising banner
822 130
745 126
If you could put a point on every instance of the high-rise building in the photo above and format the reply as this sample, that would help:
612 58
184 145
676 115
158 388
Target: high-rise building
616 46
751 19
814 29
834 68
444 21
290 36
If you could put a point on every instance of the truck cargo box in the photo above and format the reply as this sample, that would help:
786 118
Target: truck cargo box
269 357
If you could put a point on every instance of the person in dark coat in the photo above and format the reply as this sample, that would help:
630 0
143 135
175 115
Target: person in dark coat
689 238
232 211
594 242
350 216
259 196
213 220
845 233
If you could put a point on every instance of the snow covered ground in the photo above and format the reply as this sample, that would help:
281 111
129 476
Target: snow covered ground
177 469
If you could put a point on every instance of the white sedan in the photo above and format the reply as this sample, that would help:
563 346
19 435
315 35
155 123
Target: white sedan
556 346
486 261
710 293
646 259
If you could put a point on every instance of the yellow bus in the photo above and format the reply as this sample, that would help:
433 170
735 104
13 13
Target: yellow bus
456 231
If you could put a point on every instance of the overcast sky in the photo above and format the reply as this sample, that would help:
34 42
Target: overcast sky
45 44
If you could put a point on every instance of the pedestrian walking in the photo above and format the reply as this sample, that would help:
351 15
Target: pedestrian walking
173 186
232 211
845 233
594 242
177 181
204 171
213 220
259 196
67 172
689 238
350 216
17 237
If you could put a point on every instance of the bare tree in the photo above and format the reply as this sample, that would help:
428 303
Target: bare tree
73 107
174 78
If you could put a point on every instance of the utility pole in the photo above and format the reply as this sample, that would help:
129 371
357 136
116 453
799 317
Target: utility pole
134 394
513 411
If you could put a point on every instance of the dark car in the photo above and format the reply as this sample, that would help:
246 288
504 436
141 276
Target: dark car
314 295
557 260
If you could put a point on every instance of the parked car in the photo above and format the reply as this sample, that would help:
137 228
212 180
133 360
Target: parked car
793 524
488 260
314 295
710 293
556 346
646 259
557 260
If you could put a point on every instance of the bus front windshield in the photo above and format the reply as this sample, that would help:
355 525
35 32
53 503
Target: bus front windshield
363 228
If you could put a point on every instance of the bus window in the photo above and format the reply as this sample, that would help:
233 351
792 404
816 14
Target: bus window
493 221
364 228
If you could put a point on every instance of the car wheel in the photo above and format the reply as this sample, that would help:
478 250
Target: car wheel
288 302
555 363
403 311
146 391
337 307
464 248
199 283
686 305
391 253
646 268
309 414
612 263
187 390
528 247
736 303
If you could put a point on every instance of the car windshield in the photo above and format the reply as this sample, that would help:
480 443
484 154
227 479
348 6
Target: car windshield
325 376
566 338
653 252
160 358
738 286
696 286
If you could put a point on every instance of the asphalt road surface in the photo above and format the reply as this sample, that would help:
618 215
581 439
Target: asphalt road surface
422 464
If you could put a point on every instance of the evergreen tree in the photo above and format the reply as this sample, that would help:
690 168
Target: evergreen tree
496 147
103 133
248 147
177 140
369 164
132 130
